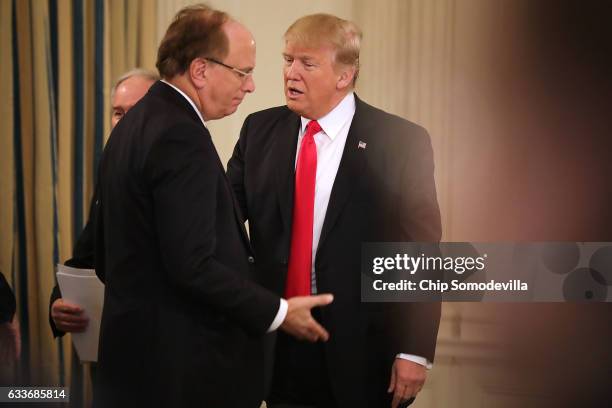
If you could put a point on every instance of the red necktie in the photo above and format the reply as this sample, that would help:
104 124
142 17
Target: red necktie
300 257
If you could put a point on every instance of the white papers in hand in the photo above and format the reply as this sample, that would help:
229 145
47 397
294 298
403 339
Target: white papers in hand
82 287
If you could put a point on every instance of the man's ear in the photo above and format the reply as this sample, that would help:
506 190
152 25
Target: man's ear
198 72
345 80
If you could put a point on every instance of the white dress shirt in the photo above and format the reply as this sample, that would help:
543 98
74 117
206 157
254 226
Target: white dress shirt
282 309
330 143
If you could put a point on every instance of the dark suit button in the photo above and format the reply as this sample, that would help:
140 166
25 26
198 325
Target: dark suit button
251 259
284 261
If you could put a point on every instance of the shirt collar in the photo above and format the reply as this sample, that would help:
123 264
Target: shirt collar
335 120
188 100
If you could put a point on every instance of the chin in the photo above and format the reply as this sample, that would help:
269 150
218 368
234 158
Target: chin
294 106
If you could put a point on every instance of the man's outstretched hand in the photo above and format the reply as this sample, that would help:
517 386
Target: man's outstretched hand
299 321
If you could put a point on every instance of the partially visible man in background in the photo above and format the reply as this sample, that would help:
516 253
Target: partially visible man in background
65 316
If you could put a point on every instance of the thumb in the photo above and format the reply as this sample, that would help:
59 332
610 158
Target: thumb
392 382
322 300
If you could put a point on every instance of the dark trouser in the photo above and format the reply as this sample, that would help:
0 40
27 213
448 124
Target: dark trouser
300 376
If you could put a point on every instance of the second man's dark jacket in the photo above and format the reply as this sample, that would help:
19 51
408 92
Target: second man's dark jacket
182 323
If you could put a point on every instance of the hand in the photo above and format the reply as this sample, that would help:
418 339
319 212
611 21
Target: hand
68 317
10 342
299 322
407 379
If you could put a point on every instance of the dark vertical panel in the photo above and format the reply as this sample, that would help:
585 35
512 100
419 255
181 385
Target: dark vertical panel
22 264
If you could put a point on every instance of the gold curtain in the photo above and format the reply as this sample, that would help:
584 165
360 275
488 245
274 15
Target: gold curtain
60 59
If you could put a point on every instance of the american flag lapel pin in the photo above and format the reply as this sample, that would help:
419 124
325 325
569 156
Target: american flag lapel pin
361 145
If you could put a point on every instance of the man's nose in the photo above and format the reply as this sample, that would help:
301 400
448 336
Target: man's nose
249 84
292 71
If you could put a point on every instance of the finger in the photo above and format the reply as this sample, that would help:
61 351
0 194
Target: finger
72 328
408 389
397 398
65 306
392 381
312 336
71 324
318 330
70 309
408 393
70 318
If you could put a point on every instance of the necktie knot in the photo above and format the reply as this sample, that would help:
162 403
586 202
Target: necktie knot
312 128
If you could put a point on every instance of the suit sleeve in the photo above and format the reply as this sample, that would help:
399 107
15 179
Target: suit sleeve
235 170
420 222
185 176
7 301
82 257
83 251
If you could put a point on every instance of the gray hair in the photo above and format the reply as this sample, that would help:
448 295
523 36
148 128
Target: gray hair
140 72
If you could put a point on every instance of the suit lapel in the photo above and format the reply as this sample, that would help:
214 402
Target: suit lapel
285 148
351 165
237 211
163 88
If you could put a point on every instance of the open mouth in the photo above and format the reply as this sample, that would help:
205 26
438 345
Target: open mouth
294 92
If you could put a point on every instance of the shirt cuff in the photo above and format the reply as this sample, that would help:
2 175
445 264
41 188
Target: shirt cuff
280 316
415 359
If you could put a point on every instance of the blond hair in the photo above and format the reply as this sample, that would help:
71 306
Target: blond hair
321 29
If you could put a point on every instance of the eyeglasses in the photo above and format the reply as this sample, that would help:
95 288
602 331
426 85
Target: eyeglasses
243 75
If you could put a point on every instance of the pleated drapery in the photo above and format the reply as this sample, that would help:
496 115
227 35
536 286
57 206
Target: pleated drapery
59 59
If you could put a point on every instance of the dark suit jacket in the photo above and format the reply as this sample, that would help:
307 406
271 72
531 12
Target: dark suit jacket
82 257
384 192
182 323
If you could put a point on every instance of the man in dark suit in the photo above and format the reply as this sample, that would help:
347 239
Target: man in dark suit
66 316
316 179
183 321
